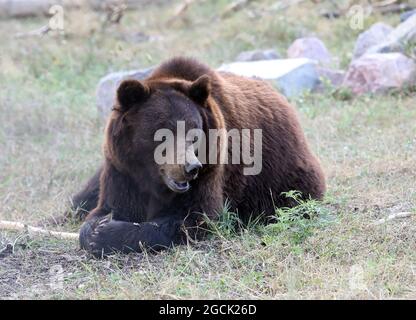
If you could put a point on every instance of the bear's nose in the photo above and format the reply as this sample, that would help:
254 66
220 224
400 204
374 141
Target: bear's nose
193 168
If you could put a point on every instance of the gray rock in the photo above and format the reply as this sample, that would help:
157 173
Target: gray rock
311 48
24 8
406 15
334 76
107 87
380 72
396 39
292 76
375 35
255 55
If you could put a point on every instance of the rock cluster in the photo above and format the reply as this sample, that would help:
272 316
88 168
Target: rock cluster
379 64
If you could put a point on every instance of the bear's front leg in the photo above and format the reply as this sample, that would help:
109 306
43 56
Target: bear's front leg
103 236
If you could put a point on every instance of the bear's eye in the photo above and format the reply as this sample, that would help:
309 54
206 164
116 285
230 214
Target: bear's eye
195 139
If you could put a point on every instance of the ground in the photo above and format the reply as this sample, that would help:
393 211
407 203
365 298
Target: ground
51 135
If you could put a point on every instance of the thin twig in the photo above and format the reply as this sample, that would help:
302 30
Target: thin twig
35 33
234 7
383 3
180 12
18 226
393 216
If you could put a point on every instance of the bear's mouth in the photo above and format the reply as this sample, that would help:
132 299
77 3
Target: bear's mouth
176 186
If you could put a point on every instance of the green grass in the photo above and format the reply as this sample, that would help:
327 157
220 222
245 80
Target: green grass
51 136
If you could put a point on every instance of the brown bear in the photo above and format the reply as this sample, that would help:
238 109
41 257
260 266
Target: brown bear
159 205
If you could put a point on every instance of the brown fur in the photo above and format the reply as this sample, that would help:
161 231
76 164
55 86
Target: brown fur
129 184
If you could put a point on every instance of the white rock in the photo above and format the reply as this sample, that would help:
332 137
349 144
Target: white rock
406 15
292 76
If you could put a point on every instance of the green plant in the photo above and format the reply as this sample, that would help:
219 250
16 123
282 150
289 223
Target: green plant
342 94
229 224
300 221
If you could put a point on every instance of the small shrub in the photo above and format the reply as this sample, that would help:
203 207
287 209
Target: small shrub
298 222
342 94
229 223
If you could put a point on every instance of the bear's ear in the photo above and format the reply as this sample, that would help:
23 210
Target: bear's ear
131 92
200 89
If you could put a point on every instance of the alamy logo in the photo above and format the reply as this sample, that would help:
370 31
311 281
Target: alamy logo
235 146
56 22
357 15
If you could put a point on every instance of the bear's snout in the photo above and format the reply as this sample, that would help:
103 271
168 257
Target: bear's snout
192 168
177 177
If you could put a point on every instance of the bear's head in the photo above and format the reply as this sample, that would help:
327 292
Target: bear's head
147 115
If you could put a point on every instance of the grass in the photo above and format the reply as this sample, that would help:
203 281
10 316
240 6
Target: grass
51 135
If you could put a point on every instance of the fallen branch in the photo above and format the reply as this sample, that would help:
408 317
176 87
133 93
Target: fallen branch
180 12
392 8
234 7
35 33
18 226
115 13
384 3
393 216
